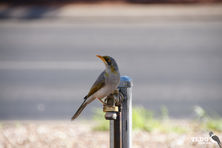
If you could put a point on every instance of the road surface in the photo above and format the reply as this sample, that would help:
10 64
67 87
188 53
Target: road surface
46 67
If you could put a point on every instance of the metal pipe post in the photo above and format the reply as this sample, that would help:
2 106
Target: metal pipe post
111 133
121 127
125 87
117 131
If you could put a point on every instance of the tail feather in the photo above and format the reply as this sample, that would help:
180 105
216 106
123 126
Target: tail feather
83 105
219 144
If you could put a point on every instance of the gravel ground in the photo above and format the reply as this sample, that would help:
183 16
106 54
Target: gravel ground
44 134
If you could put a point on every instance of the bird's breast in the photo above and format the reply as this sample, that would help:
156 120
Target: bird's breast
111 83
103 92
113 78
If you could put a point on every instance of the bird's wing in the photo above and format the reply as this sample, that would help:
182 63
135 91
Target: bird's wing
99 83
215 138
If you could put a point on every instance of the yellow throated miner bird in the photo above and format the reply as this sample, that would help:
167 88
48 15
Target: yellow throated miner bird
105 84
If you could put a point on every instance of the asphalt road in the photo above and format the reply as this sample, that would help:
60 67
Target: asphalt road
47 67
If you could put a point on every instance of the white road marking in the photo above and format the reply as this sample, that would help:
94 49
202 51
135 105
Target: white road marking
50 65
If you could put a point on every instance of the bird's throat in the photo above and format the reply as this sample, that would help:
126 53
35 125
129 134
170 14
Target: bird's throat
113 70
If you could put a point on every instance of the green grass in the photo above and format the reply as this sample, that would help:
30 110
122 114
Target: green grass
143 119
140 116
214 125
102 124
207 122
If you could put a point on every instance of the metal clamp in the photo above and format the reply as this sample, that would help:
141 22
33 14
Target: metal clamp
112 104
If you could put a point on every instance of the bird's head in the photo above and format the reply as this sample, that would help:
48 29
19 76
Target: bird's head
110 63
211 133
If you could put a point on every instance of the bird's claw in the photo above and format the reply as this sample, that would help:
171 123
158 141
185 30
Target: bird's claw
114 99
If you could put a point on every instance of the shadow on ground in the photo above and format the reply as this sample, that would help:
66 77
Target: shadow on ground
28 12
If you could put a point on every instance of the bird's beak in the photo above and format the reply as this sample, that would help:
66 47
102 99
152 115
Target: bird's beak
102 58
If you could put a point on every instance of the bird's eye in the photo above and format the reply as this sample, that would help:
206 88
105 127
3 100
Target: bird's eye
109 61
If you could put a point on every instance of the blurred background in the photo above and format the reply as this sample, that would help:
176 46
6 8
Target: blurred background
173 53
172 49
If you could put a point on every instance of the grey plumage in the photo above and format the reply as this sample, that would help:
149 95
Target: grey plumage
82 106
100 80
105 84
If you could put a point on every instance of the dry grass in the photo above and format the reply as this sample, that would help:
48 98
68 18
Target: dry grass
79 134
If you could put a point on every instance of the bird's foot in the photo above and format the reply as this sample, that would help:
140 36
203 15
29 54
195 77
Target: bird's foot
118 96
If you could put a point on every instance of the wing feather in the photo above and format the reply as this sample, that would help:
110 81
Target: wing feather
98 84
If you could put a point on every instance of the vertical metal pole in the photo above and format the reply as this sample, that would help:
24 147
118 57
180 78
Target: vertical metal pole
117 131
111 135
126 112
121 128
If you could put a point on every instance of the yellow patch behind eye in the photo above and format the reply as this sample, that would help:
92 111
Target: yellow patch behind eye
113 69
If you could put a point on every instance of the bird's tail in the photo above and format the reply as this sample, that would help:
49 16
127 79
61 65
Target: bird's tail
219 144
83 105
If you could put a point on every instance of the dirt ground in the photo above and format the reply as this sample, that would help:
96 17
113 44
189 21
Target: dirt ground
53 134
